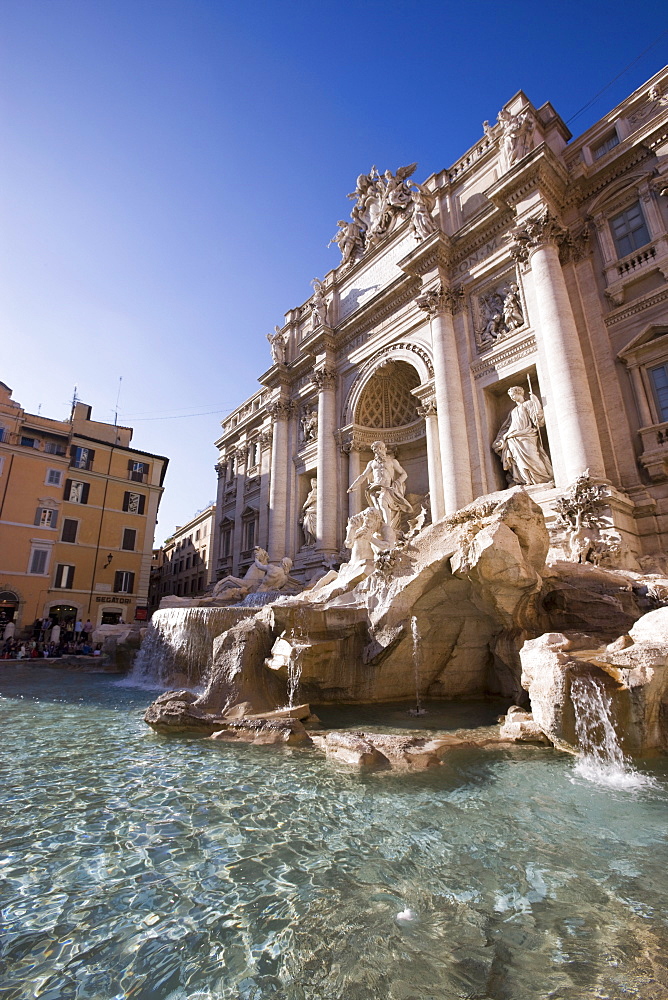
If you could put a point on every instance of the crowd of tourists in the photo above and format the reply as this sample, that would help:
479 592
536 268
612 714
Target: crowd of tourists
49 639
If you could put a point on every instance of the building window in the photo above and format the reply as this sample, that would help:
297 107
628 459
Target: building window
70 528
629 230
129 539
200 585
76 492
29 442
81 458
4 434
605 147
54 477
188 563
197 536
133 503
123 582
64 578
46 517
39 561
659 377
55 448
137 471
248 535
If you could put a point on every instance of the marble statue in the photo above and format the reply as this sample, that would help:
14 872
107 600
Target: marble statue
276 576
349 240
516 134
365 539
319 306
308 518
385 490
277 343
518 442
234 588
513 317
423 205
309 425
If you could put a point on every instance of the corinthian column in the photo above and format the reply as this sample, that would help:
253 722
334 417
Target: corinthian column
278 487
353 449
327 497
440 304
435 473
570 414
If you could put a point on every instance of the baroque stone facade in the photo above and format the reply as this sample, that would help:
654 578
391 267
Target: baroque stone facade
535 262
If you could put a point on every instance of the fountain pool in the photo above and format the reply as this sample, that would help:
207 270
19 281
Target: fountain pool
152 868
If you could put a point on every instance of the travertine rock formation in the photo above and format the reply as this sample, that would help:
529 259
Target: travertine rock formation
633 672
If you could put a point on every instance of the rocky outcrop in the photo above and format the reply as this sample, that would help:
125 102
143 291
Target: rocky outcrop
263 732
520 727
632 671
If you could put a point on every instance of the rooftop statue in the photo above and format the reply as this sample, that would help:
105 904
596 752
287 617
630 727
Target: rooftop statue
380 199
277 344
319 305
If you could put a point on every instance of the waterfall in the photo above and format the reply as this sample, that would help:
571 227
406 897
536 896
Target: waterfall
178 647
417 659
602 760
259 600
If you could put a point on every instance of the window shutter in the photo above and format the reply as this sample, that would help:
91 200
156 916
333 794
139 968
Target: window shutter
73 452
69 582
130 465
68 487
91 458
126 501
84 495
118 581
38 516
54 519
131 583
142 503
69 530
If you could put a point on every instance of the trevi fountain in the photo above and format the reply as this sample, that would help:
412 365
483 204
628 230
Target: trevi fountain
434 769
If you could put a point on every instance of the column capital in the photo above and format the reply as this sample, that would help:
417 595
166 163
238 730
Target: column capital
575 246
325 378
439 299
265 438
219 469
428 408
536 232
281 409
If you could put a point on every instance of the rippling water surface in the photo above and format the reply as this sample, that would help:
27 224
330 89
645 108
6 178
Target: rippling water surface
137 866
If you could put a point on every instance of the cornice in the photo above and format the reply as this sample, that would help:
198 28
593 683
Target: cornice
540 169
393 297
585 188
625 312
436 251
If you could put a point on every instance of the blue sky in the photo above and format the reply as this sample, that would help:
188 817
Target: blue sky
172 172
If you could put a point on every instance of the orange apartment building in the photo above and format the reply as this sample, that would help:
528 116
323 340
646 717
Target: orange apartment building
78 508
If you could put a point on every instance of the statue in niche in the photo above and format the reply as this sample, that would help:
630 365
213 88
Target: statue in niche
309 515
385 490
319 305
512 308
518 442
423 206
277 344
516 134
309 422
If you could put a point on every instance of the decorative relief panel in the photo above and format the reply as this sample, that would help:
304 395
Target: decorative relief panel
498 311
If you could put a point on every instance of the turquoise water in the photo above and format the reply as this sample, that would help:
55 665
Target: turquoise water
138 866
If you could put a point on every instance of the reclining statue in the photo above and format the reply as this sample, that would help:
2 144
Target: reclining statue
234 588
